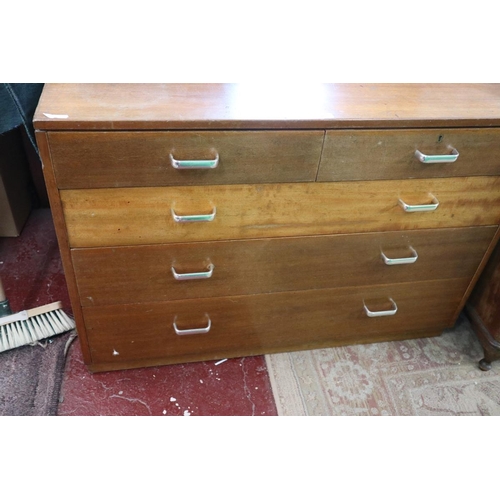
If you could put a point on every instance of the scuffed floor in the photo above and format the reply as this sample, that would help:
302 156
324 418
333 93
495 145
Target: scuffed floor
33 276
235 387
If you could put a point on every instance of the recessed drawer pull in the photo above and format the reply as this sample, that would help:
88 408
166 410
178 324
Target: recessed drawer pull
437 158
420 208
375 314
192 331
404 260
194 276
194 164
194 218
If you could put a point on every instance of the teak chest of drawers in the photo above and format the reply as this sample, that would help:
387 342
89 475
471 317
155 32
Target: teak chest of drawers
200 222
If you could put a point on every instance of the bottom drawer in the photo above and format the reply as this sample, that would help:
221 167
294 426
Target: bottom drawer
144 334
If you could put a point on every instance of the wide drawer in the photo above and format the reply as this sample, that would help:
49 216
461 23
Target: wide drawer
155 273
390 154
256 324
125 159
130 216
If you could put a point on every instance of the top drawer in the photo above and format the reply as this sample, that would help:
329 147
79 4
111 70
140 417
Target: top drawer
136 159
390 154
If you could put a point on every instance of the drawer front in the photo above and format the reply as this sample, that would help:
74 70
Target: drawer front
390 154
128 159
255 324
130 216
124 275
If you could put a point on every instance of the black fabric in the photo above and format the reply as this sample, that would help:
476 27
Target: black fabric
18 102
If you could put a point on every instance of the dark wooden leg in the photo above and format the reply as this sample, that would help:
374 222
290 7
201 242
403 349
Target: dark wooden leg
491 347
484 365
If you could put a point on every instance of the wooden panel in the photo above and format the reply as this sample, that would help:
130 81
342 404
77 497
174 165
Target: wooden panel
122 159
115 364
266 105
129 216
390 154
254 324
62 240
122 275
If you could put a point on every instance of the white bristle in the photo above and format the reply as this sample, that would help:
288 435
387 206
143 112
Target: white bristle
15 338
40 331
10 337
3 344
18 334
26 332
38 326
44 325
66 321
3 338
34 329
54 320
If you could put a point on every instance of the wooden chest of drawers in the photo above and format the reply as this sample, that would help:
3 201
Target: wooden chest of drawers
200 222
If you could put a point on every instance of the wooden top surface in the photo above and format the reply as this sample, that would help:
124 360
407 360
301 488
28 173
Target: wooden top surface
265 106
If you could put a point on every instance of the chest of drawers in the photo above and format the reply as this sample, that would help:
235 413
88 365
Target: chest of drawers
200 222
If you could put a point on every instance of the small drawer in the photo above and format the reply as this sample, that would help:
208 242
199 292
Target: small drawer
144 273
200 329
392 154
130 159
141 216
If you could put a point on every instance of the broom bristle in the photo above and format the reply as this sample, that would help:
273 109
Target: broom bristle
34 328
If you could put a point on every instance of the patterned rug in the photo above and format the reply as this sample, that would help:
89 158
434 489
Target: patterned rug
432 376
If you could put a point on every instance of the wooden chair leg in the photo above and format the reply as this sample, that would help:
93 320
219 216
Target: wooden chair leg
491 347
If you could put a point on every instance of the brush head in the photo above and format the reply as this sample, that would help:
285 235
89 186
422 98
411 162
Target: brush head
29 327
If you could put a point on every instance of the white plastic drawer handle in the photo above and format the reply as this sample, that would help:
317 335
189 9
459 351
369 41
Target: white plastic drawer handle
429 207
404 260
194 276
375 314
194 218
194 164
437 158
192 331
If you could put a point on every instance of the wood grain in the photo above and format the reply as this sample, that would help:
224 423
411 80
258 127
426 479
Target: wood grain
266 106
62 240
130 216
390 154
125 159
254 324
240 352
122 275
